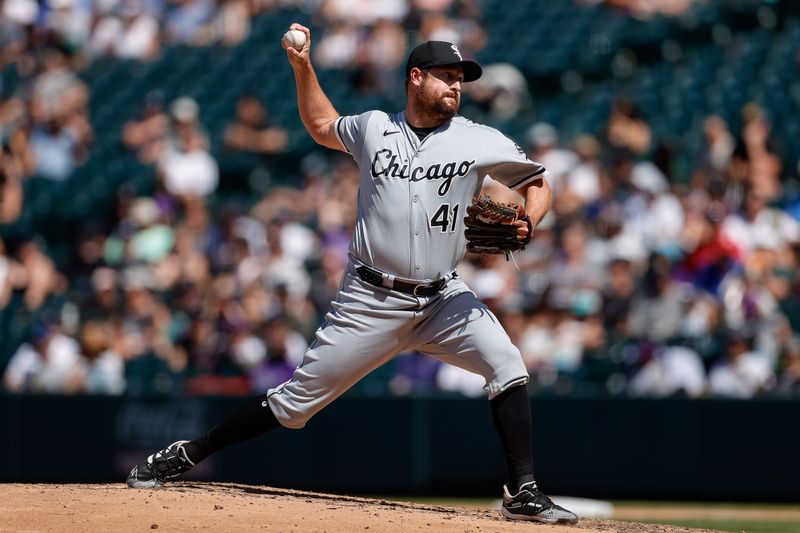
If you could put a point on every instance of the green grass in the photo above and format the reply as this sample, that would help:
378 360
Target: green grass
707 505
736 526
778 523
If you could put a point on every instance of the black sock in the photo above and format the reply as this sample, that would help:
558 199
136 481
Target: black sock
251 420
511 413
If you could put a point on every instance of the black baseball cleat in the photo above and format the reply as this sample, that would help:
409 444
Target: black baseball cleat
161 466
530 504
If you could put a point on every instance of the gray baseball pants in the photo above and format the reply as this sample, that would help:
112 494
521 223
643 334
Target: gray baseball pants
368 325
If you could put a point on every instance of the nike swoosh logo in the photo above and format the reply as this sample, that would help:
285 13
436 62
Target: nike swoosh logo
387 132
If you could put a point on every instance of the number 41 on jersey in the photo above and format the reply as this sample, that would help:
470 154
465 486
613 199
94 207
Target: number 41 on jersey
445 218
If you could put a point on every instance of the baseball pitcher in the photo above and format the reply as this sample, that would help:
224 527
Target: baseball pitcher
421 169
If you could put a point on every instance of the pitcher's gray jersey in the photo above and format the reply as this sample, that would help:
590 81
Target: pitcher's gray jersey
414 194
410 225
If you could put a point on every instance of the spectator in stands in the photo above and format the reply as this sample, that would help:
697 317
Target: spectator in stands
103 369
627 132
503 94
10 194
674 371
105 302
88 246
285 262
147 132
758 225
379 58
128 32
536 343
17 157
338 47
431 5
68 23
742 373
789 381
466 15
494 281
708 253
299 311
451 378
187 170
251 131
784 284
285 348
362 14
719 146
34 273
216 276
437 26
575 269
153 238
49 363
618 292
764 167
185 127
187 22
56 150
653 215
230 24
7 269
145 330
325 280
702 319
544 146
16 21
413 373
61 132
57 92
645 9
657 309
582 183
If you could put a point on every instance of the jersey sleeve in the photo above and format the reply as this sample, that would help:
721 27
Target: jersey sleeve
510 165
351 131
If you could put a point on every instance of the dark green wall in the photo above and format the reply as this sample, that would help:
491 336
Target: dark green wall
597 447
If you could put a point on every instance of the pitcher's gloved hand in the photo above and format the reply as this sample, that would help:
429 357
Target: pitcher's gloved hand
496 228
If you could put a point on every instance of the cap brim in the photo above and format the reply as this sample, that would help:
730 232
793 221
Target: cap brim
472 70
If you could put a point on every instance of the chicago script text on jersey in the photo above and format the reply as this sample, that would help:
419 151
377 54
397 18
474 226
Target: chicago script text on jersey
385 164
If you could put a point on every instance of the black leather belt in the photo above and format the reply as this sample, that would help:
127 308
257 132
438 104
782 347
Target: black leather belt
375 277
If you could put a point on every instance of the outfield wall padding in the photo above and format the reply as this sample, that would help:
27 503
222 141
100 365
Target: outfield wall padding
597 447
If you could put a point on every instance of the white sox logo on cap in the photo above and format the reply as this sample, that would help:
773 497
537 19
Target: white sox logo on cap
440 53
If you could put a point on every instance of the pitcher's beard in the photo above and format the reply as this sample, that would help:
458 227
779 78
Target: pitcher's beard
443 109
437 108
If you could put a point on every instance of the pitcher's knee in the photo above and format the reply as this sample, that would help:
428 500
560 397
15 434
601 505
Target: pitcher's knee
510 374
497 387
292 411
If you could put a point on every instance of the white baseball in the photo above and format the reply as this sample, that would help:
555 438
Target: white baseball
294 38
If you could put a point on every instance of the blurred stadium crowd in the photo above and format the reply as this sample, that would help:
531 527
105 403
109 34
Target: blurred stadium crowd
668 266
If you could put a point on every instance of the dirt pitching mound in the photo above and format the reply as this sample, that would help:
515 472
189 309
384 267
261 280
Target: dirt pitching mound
185 506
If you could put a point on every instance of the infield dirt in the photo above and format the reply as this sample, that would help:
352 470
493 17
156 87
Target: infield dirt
222 507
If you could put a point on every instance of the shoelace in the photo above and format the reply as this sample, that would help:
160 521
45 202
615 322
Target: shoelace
542 499
539 498
167 464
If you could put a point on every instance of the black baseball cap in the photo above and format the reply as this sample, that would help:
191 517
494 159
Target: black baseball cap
438 54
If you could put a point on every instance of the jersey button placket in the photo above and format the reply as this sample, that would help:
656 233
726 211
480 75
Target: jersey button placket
417 244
